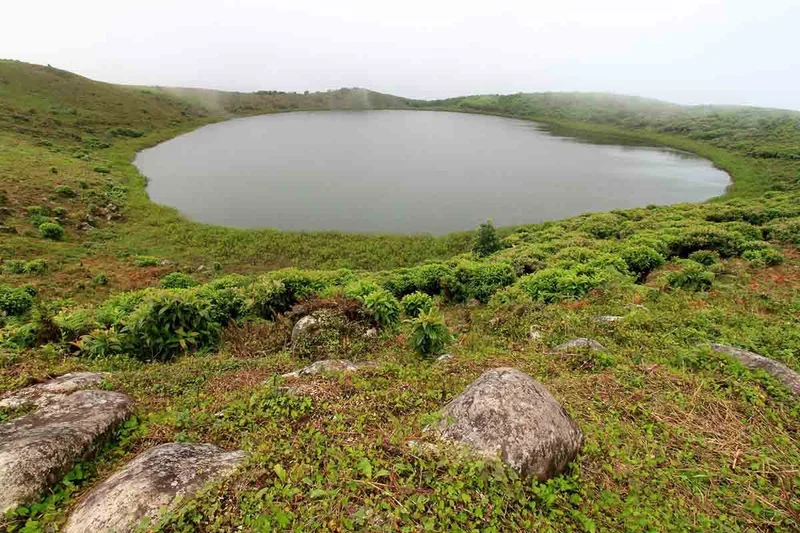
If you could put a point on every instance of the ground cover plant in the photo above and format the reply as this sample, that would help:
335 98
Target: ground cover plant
195 323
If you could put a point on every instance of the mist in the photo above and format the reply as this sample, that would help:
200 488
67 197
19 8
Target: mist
685 51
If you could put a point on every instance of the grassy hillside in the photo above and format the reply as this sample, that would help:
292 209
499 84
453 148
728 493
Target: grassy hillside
677 437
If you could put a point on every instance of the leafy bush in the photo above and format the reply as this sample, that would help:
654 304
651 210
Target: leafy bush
65 191
145 261
415 303
73 323
100 343
167 324
126 132
360 289
52 231
705 257
692 276
641 260
178 280
726 243
37 211
35 266
767 256
554 284
15 300
100 279
513 295
487 242
603 225
479 280
268 297
383 307
429 334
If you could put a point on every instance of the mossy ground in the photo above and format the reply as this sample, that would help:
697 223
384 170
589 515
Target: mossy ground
677 438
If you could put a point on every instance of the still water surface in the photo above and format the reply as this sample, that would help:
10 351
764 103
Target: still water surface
408 171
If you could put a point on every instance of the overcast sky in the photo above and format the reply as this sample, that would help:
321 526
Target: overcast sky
686 51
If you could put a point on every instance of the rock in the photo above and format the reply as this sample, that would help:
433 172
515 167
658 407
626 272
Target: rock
165 262
38 448
49 391
751 360
444 357
505 412
534 333
371 333
85 227
328 365
580 344
8 230
304 327
149 484
608 319
638 307
474 302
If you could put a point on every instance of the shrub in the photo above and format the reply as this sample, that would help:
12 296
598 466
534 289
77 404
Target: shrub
603 225
268 297
72 324
125 132
52 231
100 343
383 307
37 211
726 243
487 242
554 284
100 279
641 260
692 276
145 261
65 191
705 257
767 256
415 303
15 300
429 334
479 280
167 324
177 280
360 289
34 267
513 295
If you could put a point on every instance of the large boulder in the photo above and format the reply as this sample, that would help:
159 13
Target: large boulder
506 413
43 393
580 345
751 360
152 482
40 447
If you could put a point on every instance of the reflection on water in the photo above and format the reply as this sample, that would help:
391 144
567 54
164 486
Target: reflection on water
409 171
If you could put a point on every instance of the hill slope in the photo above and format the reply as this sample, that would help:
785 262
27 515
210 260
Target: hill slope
194 323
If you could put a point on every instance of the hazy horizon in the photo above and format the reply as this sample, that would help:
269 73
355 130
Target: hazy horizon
688 52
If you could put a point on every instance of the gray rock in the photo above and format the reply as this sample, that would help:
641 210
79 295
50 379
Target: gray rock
534 333
328 365
444 357
371 333
8 230
49 391
608 319
38 448
505 412
304 327
580 344
149 484
751 360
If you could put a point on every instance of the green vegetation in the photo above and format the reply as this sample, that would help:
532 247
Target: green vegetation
677 438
